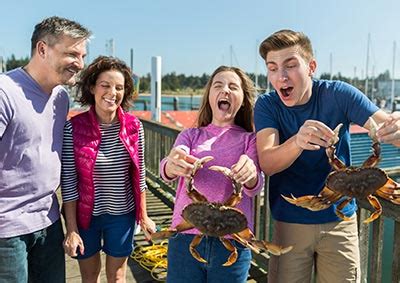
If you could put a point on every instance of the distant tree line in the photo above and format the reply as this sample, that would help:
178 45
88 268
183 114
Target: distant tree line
12 62
174 82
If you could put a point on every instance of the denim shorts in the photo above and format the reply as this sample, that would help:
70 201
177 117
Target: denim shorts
111 233
183 267
37 257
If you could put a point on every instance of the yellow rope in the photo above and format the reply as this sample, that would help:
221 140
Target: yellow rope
153 258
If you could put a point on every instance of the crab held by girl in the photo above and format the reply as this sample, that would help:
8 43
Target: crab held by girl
218 219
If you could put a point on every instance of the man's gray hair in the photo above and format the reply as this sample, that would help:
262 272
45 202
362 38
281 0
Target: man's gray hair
51 29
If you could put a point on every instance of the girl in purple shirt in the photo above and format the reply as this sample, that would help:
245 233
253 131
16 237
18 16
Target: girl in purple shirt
224 131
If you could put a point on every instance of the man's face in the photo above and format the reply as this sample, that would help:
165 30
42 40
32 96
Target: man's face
290 75
65 59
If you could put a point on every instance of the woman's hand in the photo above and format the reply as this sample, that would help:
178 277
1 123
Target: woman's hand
148 227
72 242
245 171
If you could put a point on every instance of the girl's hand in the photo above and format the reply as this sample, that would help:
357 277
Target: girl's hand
245 171
179 163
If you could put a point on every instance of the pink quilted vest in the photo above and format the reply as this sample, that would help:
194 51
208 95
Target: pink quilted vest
86 140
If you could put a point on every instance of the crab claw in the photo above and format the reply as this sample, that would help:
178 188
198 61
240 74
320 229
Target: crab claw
189 181
335 138
200 162
163 234
276 249
224 170
373 127
313 203
237 186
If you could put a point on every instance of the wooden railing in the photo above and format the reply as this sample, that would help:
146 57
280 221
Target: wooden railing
159 140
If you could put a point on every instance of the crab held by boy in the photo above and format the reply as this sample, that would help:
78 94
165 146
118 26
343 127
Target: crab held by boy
218 220
353 182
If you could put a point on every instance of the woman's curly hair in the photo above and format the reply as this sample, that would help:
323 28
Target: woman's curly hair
90 75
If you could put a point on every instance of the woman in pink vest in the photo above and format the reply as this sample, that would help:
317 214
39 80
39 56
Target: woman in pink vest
103 172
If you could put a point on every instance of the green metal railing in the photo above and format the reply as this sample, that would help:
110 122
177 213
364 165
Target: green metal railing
159 140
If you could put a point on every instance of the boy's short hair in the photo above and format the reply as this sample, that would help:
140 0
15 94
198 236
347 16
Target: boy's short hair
284 39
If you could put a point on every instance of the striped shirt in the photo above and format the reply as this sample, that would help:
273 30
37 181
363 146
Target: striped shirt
111 174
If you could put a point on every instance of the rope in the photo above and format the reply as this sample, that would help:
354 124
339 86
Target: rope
153 258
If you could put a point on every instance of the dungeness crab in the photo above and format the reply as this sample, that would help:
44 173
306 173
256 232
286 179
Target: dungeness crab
353 182
218 220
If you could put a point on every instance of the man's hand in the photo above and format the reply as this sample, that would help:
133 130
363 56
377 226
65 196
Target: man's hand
389 131
314 134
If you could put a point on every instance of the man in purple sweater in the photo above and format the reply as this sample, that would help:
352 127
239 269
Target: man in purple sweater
33 110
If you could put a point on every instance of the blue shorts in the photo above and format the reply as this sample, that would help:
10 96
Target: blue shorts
111 233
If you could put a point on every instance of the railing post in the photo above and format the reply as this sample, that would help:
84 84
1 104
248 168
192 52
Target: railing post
363 232
156 88
375 272
176 103
396 253
267 226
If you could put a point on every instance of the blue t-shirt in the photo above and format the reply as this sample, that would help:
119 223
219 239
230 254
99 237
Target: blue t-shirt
331 102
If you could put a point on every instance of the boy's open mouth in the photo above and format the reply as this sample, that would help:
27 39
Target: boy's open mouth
286 91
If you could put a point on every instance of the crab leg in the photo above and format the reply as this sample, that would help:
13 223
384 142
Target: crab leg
190 188
328 196
183 226
195 196
233 200
392 197
192 248
390 191
273 248
374 159
340 207
391 184
335 162
234 254
245 237
313 203
377 206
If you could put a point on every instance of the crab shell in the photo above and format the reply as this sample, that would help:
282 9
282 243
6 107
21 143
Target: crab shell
357 182
215 219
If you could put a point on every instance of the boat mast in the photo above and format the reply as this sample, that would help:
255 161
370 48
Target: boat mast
366 66
393 81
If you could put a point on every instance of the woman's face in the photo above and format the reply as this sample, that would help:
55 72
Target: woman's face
108 93
225 98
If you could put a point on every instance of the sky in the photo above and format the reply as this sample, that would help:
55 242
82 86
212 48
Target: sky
195 37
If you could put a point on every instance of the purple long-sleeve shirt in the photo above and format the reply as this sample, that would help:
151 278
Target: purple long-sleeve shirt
31 135
226 145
